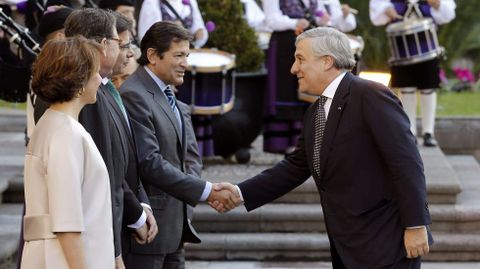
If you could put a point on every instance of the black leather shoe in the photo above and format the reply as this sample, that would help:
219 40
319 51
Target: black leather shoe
429 141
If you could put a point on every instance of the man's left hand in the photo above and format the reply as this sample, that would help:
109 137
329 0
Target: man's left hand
416 242
152 225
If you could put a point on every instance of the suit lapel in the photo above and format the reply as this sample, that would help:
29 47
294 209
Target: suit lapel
334 116
160 98
116 108
116 120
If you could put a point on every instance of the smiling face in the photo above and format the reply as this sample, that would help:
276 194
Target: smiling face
312 71
171 66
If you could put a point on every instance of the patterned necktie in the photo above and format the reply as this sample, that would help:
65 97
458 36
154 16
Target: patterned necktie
320 120
171 97
171 101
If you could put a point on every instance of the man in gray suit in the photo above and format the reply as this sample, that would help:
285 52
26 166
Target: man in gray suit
161 134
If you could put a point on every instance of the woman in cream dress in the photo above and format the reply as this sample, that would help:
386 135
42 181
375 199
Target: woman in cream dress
68 219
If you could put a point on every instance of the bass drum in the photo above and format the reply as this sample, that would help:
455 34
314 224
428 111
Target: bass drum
234 132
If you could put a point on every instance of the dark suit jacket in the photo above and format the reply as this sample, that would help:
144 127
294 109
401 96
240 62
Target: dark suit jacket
162 147
108 128
372 183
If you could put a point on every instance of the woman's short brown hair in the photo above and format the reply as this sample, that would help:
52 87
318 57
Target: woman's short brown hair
63 68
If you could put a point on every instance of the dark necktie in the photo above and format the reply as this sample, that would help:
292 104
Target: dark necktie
320 120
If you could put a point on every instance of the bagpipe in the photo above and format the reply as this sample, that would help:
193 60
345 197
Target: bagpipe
15 70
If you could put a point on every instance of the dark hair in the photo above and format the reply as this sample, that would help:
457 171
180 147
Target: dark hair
122 22
92 23
160 36
64 67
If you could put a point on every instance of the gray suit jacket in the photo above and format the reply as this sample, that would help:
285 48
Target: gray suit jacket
162 149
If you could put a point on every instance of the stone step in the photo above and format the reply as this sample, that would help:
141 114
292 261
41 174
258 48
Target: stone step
304 218
10 221
11 166
312 247
12 120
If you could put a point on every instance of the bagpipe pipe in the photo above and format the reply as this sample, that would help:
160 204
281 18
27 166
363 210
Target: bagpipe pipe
15 69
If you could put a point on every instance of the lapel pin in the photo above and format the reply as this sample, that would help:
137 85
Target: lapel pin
339 108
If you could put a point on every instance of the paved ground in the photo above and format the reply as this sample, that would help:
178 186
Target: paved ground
305 265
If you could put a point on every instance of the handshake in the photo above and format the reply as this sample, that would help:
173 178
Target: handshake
224 197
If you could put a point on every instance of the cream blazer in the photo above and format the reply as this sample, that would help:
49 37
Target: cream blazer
66 190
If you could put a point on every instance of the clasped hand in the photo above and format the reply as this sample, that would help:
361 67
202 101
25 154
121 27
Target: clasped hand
224 197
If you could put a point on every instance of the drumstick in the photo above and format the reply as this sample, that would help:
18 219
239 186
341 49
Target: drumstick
354 11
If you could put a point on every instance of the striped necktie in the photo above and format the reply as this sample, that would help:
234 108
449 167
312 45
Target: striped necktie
320 120
172 102
171 97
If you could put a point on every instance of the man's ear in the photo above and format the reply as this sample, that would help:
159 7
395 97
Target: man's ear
152 56
329 62
104 46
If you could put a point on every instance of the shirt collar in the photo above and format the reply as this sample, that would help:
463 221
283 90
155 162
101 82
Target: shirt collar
159 82
332 87
105 80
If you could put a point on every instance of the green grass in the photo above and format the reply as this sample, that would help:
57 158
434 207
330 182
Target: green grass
458 104
4 104
449 104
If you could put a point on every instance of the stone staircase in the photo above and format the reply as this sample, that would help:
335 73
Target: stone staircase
12 125
292 227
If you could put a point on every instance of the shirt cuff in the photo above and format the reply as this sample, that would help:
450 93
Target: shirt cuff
147 206
206 191
414 227
240 193
140 221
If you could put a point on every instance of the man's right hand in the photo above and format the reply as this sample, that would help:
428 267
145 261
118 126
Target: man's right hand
224 197
392 14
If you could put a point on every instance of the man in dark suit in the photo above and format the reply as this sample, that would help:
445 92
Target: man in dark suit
108 125
357 145
161 132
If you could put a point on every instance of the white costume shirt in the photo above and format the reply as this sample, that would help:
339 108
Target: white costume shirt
276 20
150 13
444 14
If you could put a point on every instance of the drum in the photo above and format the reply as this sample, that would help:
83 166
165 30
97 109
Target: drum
356 45
209 87
413 41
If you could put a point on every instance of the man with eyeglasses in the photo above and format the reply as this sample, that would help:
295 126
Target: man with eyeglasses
108 124
125 56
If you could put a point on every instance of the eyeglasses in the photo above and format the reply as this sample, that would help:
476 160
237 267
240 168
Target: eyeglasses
126 46
119 41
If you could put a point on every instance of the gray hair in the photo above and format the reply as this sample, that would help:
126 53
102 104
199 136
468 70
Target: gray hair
330 41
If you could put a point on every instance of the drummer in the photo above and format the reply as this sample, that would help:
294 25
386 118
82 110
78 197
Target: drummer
404 77
184 12
283 110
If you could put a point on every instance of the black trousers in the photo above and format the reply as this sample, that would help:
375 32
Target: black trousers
175 260
337 262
